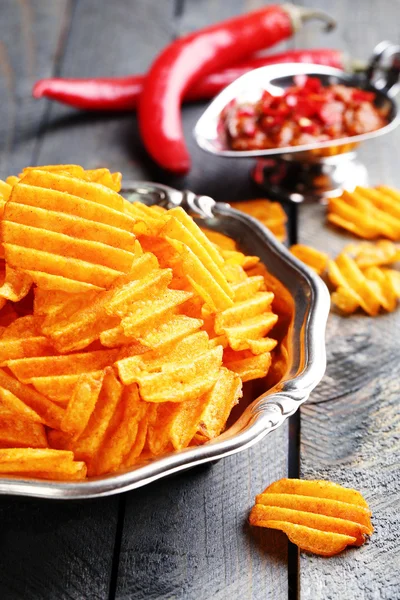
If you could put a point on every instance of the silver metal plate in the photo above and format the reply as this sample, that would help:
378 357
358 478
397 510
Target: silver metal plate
306 344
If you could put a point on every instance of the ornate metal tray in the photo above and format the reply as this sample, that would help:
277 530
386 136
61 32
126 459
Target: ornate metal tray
263 414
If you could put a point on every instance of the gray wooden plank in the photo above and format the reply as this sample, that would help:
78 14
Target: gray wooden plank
53 549
187 537
49 549
31 38
350 427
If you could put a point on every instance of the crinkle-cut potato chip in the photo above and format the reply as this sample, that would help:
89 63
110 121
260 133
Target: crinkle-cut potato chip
88 246
50 413
367 212
126 331
318 516
21 433
82 403
122 431
59 388
247 365
357 276
383 287
313 258
27 346
151 362
344 272
15 285
221 241
78 327
103 176
271 214
9 403
217 405
69 364
369 254
394 277
193 267
5 191
51 464
182 381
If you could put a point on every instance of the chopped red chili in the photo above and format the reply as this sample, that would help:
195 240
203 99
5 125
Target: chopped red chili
305 113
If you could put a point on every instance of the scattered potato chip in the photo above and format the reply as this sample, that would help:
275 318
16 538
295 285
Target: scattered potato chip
357 276
271 214
318 516
367 212
313 258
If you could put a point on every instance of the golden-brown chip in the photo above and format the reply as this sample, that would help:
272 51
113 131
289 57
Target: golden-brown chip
319 516
313 258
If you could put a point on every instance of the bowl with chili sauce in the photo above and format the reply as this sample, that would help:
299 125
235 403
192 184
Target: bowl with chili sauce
296 115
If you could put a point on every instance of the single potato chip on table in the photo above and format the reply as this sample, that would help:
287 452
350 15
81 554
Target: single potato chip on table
318 516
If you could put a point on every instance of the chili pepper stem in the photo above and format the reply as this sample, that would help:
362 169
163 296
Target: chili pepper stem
300 15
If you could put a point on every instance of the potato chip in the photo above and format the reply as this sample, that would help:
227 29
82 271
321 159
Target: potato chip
41 238
217 405
193 267
394 277
368 254
82 403
71 364
271 214
383 287
151 362
223 242
182 381
9 403
344 272
367 212
175 229
319 516
246 365
43 462
80 326
59 388
50 414
122 432
90 441
313 258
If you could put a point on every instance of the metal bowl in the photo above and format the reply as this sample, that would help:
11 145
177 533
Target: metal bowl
305 345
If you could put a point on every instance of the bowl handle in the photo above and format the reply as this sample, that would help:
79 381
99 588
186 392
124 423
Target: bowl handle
384 68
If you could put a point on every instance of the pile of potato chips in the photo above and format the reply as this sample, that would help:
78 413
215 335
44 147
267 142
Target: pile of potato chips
359 275
369 213
126 332
318 516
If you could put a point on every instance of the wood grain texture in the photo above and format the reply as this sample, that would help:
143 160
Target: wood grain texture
56 550
187 537
32 34
350 428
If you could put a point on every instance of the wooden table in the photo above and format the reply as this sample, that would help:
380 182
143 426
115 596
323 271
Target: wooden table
187 537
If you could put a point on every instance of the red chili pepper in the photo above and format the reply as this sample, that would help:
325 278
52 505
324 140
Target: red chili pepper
122 93
188 59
